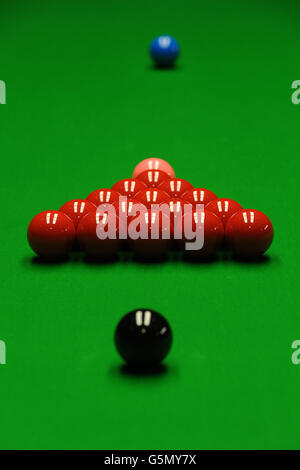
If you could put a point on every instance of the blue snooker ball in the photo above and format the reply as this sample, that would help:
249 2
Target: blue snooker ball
164 50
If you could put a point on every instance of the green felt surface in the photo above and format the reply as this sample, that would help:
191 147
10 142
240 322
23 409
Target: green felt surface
84 105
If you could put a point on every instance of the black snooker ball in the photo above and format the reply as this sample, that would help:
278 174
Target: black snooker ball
143 338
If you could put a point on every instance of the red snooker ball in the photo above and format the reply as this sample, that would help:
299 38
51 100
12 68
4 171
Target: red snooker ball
153 178
126 209
51 234
223 208
129 187
89 229
77 208
150 196
175 208
199 196
194 224
175 187
103 196
249 233
149 234
153 163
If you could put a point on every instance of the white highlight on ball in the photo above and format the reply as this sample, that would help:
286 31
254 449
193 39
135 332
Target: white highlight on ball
164 41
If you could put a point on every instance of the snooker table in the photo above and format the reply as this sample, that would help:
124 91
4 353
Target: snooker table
84 105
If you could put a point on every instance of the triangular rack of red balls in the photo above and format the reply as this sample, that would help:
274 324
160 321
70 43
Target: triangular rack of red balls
168 209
